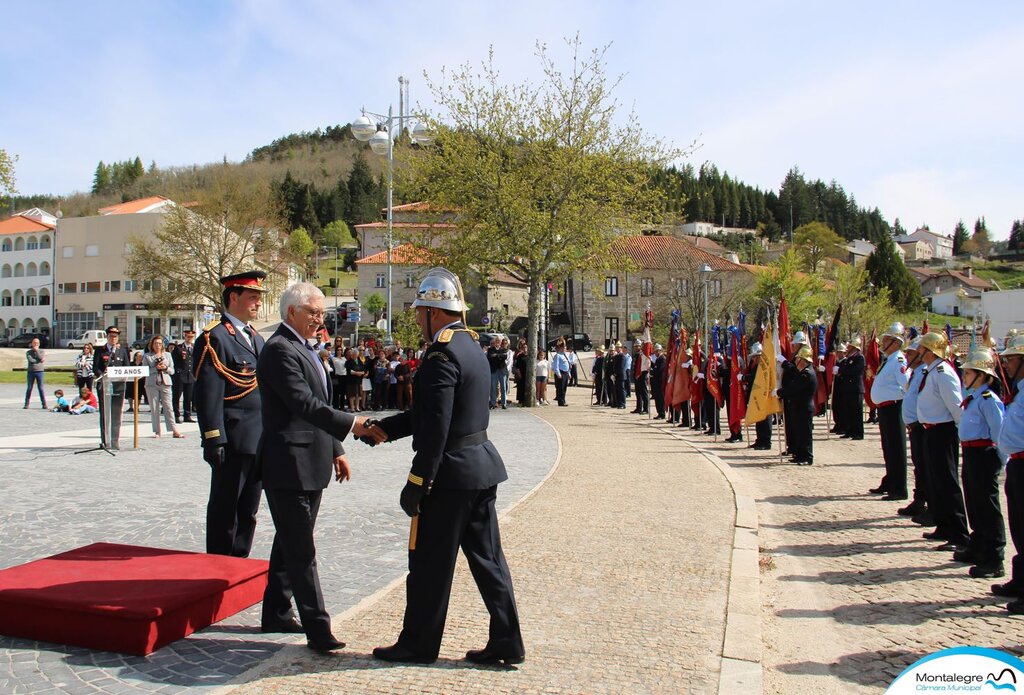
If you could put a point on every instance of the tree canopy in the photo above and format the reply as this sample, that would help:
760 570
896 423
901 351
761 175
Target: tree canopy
815 241
541 178
7 161
886 270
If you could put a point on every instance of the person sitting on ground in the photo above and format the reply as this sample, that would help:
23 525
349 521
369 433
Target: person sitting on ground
85 403
62 402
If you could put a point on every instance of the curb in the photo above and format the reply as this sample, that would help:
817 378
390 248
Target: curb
297 647
742 669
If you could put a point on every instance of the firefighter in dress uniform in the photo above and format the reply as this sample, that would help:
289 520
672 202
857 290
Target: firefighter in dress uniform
228 404
1011 444
887 393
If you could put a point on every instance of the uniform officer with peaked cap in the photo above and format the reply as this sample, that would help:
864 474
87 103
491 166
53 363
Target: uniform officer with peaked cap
799 382
450 492
228 404
887 392
918 507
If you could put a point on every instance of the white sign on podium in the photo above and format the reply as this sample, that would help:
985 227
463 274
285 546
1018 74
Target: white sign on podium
127 373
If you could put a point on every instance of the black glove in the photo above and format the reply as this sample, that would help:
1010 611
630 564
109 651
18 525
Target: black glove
213 455
410 499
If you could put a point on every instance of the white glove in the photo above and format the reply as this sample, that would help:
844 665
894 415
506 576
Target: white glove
835 370
821 368
739 377
780 358
687 365
778 393
700 375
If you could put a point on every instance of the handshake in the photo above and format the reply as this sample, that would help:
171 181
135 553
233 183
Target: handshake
369 431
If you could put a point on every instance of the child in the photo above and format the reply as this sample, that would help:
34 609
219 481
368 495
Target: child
62 403
85 403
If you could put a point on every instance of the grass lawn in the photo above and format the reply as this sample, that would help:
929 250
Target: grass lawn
1010 276
51 378
346 280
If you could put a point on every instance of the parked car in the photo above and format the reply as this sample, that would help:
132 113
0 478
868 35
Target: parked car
487 338
96 336
578 341
142 342
23 340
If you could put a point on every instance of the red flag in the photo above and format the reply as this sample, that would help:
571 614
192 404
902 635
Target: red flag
872 359
681 375
714 386
696 386
785 339
924 327
737 399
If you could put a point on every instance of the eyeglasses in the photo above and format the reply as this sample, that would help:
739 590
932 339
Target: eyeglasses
315 313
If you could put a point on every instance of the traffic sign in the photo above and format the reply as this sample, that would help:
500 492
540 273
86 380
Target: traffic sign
353 316
485 320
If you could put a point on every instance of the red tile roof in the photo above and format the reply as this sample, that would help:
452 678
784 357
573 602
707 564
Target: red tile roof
405 225
406 254
973 281
664 252
19 224
140 205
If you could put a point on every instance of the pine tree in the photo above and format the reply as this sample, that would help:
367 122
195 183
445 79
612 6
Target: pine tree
101 179
364 205
886 270
980 240
1016 242
959 237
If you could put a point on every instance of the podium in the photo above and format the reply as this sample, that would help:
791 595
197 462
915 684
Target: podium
111 385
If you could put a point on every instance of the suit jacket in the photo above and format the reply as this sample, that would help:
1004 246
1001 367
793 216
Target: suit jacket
450 395
155 380
183 363
301 431
226 418
798 387
851 372
103 357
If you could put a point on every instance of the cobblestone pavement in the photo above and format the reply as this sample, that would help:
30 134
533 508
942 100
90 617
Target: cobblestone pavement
855 594
52 500
621 567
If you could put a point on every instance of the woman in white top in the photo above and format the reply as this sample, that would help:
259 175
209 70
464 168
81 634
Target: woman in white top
158 385
542 377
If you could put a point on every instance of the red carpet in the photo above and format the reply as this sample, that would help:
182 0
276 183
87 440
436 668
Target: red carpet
124 598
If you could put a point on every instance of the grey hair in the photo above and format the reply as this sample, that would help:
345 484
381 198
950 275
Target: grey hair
298 294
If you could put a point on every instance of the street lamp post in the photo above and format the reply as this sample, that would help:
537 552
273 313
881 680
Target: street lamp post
705 273
380 132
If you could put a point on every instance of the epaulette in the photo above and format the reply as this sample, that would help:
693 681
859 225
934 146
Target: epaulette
988 394
210 326
448 333
939 369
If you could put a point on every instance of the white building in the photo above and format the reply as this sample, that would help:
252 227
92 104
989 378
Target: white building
1003 308
942 245
858 251
957 301
26 272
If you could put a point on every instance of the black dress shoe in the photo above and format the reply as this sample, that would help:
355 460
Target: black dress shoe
894 498
188 419
949 547
1016 607
934 536
912 509
761 447
965 556
398 654
325 646
177 419
878 490
488 656
1008 590
288 626
924 519
992 570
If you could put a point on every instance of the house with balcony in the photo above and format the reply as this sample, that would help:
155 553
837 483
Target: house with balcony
27 241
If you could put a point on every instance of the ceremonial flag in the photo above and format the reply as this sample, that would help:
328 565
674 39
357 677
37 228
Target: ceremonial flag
669 377
831 342
711 378
696 385
785 339
646 346
821 390
986 340
949 334
872 360
913 333
762 392
924 326
737 399
681 375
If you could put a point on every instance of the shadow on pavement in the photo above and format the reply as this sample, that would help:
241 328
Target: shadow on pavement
904 612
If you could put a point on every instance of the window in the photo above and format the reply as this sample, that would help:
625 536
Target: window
646 287
92 250
611 329
146 325
92 286
410 281
611 288
31 299
6 300
75 323
32 245
379 280
44 299
6 246
130 286
68 252
715 288
112 286
681 286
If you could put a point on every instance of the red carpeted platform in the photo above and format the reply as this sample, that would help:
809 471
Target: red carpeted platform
125 598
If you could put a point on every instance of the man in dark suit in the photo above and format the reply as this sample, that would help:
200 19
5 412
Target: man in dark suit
184 377
110 354
597 374
658 381
620 375
851 372
299 449
229 415
451 488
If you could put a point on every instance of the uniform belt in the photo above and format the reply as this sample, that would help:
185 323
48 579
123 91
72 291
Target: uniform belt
976 443
928 425
886 404
1019 456
466 441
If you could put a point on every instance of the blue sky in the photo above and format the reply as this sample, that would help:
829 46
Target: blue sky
913 107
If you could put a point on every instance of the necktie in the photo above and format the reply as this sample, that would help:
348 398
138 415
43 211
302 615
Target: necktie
252 337
318 365
964 402
924 378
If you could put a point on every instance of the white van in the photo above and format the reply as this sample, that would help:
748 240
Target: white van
96 337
